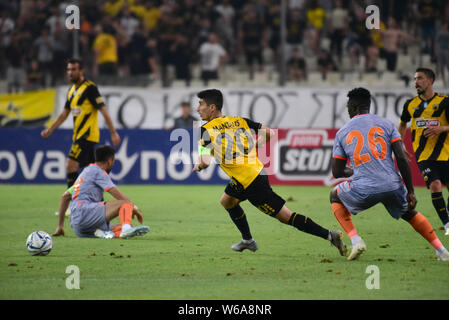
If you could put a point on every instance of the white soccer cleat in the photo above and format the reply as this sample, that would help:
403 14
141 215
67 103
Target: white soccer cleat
447 230
443 256
245 244
104 234
134 231
357 250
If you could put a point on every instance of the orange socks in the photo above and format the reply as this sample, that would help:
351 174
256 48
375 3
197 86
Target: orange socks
344 218
423 226
125 213
117 230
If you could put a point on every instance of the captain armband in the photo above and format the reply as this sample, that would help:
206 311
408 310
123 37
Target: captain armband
202 150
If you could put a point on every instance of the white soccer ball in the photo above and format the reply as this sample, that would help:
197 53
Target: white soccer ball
39 243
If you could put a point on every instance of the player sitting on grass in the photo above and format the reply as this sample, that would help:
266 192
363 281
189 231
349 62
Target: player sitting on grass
368 141
90 215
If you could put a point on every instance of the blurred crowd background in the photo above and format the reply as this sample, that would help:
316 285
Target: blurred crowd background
169 43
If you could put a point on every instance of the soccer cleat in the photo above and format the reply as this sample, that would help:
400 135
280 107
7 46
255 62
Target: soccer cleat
443 256
134 231
337 241
357 250
245 244
447 230
104 234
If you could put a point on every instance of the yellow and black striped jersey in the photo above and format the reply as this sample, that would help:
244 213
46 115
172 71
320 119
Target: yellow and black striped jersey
231 142
84 102
422 114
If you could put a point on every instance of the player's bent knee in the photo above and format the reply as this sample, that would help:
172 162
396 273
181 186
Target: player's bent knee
283 215
228 202
409 215
333 197
435 186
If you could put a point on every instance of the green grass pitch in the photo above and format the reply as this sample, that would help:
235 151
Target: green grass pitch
187 254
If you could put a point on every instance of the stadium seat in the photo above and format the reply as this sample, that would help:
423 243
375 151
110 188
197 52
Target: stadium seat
315 79
404 63
178 84
381 65
370 79
311 62
260 78
325 44
214 84
390 79
196 83
334 78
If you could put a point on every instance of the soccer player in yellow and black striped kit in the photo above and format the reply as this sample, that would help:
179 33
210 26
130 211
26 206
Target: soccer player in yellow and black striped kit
429 116
230 141
83 101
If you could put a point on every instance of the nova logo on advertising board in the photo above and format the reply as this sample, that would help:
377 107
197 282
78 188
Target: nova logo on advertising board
154 165
144 156
51 162
305 155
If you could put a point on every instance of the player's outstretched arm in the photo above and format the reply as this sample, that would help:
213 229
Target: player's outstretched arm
402 128
63 205
203 163
404 169
61 118
119 195
115 137
204 154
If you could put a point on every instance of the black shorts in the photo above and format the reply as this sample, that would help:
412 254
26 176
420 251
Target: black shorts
434 170
259 193
82 151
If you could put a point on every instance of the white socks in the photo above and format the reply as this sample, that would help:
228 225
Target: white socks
355 239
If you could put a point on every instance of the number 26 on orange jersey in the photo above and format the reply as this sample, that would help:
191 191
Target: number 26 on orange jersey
373 142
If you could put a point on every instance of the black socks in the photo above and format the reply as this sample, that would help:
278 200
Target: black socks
440 206
307 225
239 218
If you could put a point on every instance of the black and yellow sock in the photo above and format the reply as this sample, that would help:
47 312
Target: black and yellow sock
71 178
239 218
440 206
307 225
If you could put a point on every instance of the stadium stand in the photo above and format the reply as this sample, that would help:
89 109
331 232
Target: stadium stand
35 42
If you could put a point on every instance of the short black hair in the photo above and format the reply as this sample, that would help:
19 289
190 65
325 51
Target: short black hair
360 97
212 96
76 60
104 153
428 72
